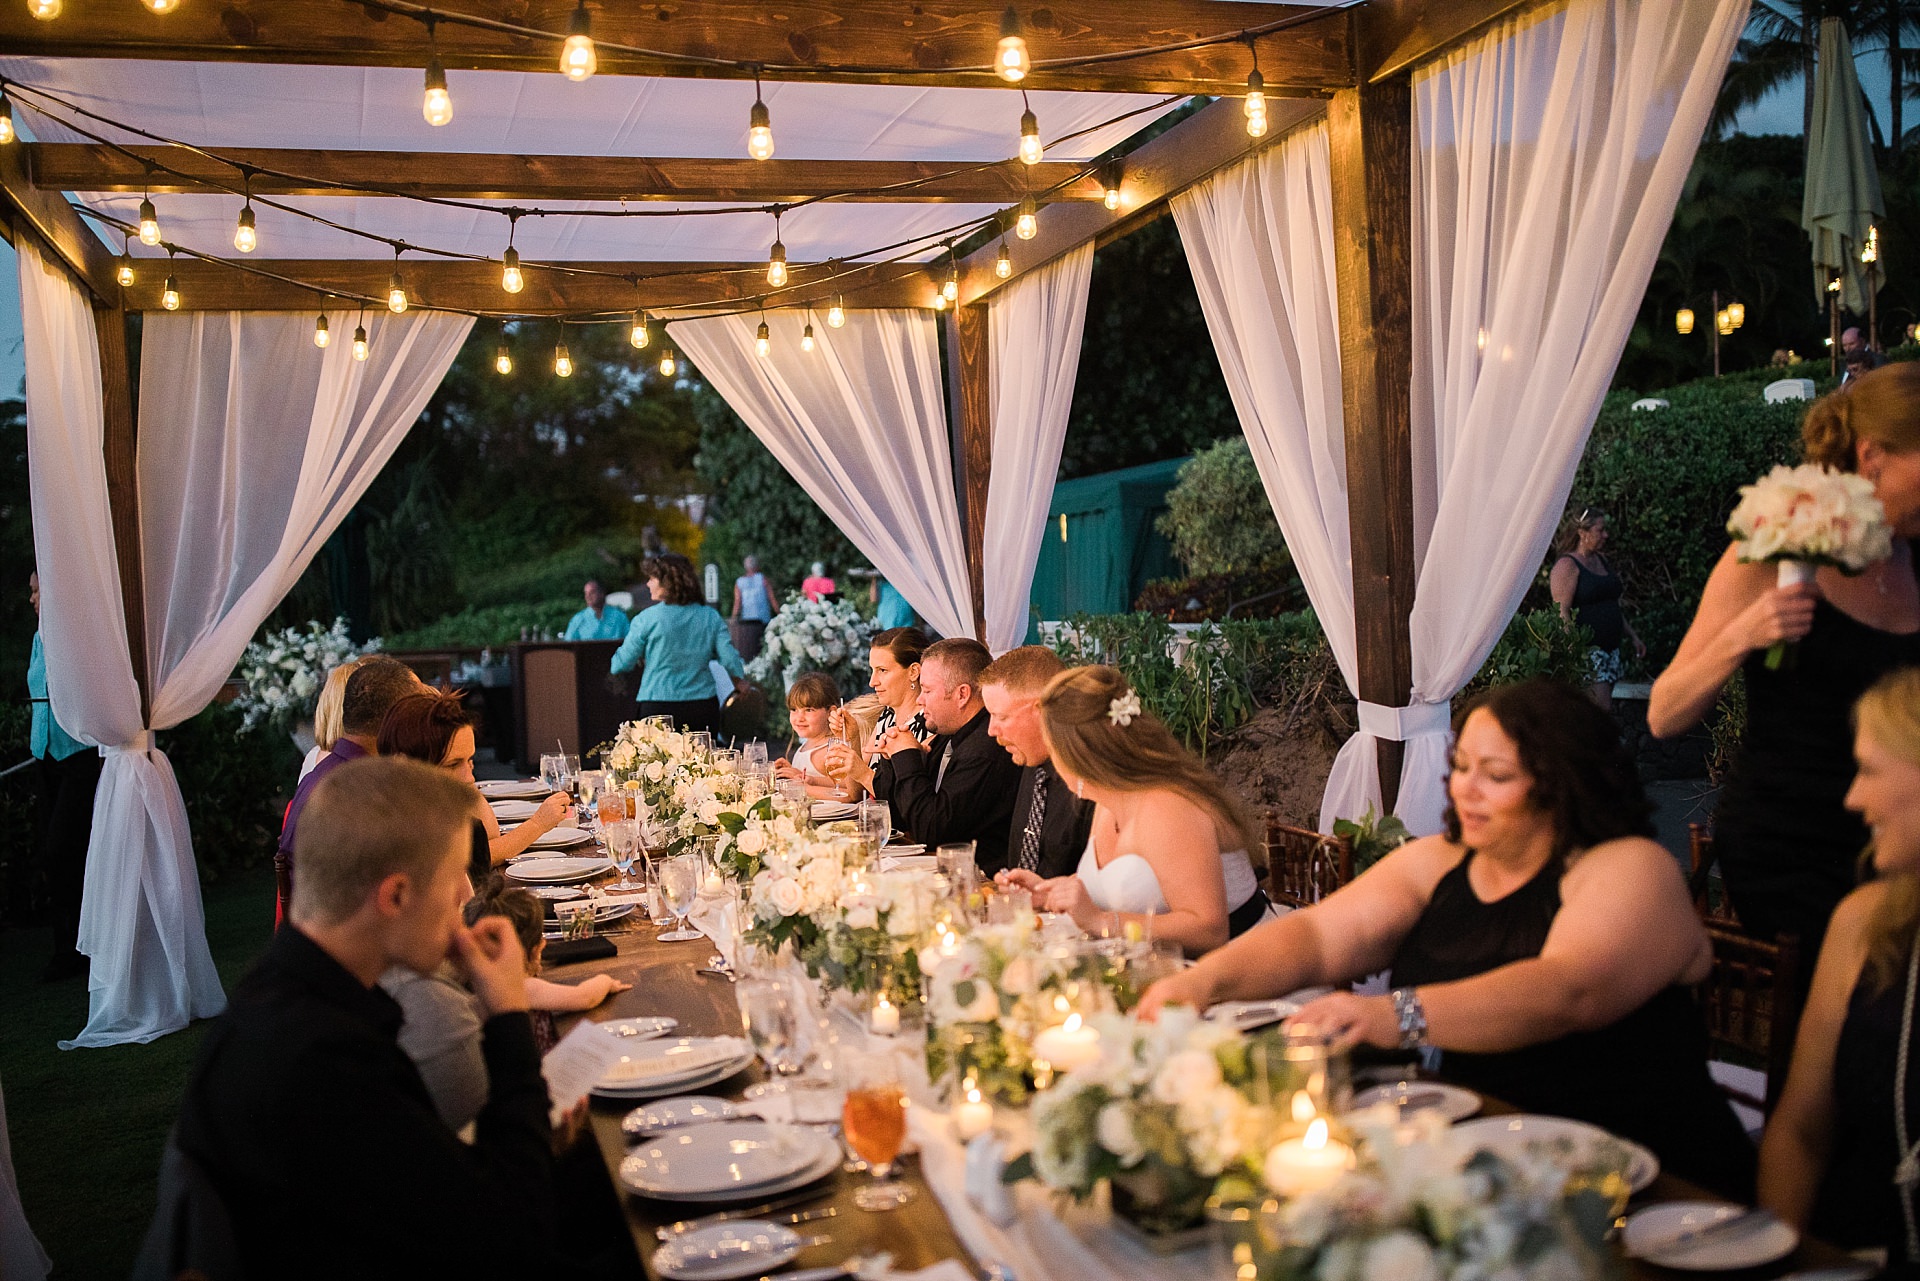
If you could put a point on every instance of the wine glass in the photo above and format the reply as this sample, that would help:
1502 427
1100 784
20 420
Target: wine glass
874 1119
680 887
773 1025
623 838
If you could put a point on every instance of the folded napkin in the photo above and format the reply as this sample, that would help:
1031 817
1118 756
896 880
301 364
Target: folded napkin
568 951
638 1071
986 1157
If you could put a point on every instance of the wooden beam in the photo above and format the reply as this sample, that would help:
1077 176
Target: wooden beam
121 452
857 41
1204 143
1392 37
1371 130
50 217
470 176
970 395
475 286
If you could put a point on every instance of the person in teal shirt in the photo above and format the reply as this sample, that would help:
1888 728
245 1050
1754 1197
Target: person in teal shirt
673 641
599 620
894 610
69 774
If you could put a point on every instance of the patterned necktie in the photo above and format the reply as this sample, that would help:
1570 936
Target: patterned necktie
1036 817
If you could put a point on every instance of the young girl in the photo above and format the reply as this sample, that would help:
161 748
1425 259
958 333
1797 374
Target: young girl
498 898
810 705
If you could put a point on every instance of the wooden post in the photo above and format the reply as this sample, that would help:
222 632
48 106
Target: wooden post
970 403
1372 152
123 487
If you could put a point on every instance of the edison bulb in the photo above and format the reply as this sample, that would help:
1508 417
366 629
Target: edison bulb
939 302
577 59
320 335
1256 105
760 131
359 342
396 295
163 6
562 361
437 106
503 360
149 224
806 337
7 133
1030 149
666 363
763 341
950 289
836 314
170 296
512 279
639 335
1027 225
45 10
1003 262
245 238
1112 199
777 265
125 273
1010 59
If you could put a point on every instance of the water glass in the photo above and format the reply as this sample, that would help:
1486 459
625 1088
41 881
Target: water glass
1010 906
876 821
772 1024
623 839
700 743
680 886
754 754
726 760
570 772
592 783
576 919
553 768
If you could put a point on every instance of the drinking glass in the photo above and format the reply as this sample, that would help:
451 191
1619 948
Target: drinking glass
680 886
876 821
700 742
591 782
874 1120
773 1025
612 806
569 772
754 754
712 866
623 838
552 771
956 862
1009 906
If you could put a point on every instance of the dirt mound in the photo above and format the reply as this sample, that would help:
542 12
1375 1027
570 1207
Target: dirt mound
1280 760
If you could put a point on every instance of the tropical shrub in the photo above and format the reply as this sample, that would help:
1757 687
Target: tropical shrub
1218 516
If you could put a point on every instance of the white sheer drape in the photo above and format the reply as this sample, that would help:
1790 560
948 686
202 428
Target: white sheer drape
252 446
1033 337
861 423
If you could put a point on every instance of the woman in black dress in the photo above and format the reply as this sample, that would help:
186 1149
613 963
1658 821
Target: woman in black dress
1830 1160
1785 841
1544 944
1588 593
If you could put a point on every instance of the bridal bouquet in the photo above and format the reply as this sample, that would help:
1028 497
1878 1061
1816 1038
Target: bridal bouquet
1803 517
283 671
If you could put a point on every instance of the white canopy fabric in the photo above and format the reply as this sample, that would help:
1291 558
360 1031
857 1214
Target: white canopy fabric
234 105
1033 335
861 423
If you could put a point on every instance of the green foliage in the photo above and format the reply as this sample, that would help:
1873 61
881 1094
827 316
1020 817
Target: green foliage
1218 517
236 784
410 548
1373 836
480 627
1535 643
1254 593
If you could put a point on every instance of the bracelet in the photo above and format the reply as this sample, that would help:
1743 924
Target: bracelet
1412 1017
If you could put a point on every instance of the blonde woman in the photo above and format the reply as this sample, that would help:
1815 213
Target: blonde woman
1831 1157
326 714
1169 847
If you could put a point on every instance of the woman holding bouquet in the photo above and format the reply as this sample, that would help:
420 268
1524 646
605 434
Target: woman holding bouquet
1785 841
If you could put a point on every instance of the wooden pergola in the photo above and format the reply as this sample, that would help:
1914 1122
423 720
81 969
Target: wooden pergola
1350 64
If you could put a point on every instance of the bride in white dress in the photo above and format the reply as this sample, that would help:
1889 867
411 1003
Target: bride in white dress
1169 842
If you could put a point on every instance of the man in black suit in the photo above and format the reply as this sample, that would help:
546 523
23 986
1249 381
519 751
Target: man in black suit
1050 824
960 786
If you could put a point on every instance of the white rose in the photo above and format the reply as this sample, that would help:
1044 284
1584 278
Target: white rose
904 920
862 915
821 877
1186 1074
785 894
655 771
1401 1256
709 812
752 841
784 827
1114 1129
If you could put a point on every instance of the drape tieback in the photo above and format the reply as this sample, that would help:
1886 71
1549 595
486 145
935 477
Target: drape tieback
1402 723
141 743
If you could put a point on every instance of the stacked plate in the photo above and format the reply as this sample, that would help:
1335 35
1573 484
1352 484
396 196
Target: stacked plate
672 1065
512 811
524 788
560 838
729 1161
557 871
827 811
1509 1136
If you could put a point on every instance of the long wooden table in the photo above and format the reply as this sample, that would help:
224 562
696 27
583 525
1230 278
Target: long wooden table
666 981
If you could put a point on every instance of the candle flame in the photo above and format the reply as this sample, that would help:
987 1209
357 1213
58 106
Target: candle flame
1316 1134
1072 1024
973 1096
1303 1109
1060 1003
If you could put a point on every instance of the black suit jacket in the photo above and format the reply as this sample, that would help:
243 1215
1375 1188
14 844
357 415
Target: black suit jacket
973 803
1064 826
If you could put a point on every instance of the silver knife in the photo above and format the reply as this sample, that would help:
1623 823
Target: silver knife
754 1212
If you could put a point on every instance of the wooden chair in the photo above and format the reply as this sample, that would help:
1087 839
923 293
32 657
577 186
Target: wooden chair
1752 1001
1699 880
1303 866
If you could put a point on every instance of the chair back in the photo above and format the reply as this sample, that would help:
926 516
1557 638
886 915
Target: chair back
1751 1001
1699 880
1305 866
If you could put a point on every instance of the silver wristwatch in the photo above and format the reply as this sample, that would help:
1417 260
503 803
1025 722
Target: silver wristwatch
1413 1018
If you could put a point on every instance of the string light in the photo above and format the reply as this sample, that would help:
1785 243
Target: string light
1030 149
124 273
149 223
502 355
763 341
562 361
1256 104
806 335
437 106
1110 180
1027 224
1722 321
170 292
939 301
639 335
1003 261
512 279
320 335
950 287
245 238
836 314
45 10
396 289
7 133
577 59
777 258
1010 58
163 7
759 126
667 365
359 342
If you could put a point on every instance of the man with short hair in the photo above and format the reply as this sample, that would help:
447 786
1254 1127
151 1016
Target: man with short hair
303 1112
376 685
960 785
1050 824
599 620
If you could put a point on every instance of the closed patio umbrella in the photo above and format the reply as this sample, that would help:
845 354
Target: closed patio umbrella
1842 198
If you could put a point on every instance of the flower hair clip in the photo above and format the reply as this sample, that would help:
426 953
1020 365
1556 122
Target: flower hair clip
1123 709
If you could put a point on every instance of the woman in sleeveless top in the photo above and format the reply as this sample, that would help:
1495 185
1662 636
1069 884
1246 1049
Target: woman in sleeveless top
1850 1113
1169 842
1786 843
1543 944
1588 593
894 660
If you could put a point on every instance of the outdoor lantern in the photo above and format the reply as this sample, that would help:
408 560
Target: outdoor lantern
437 106
1010 58
1683 320
1870 252
577 60
1723 321
1737 313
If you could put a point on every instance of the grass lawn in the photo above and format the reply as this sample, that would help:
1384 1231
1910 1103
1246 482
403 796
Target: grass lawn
87 1125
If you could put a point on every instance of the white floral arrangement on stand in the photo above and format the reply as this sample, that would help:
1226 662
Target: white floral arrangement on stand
989 989
1800 518
284 671
814 636
854 928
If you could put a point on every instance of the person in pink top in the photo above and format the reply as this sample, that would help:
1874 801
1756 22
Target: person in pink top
817 585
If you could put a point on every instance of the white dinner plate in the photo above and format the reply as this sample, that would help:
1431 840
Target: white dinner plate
703 1166
660 1065
726 1156
662 1115
656 1089
505 810
496 788
560 838
1504 1135
557 871
1671 1235
640 1029
1449 1101
724 1251
556 893
828 811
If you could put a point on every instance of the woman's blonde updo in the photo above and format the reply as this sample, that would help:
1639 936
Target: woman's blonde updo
1881 405
1082 735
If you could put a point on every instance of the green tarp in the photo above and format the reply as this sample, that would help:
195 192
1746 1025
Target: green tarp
1111 549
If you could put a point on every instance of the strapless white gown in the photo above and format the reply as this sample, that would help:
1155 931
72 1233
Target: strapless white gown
1128 882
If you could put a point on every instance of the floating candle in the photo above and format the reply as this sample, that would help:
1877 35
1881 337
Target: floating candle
885 1020
1308 1163
1069 1046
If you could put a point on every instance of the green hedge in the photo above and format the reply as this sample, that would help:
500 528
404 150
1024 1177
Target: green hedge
492 626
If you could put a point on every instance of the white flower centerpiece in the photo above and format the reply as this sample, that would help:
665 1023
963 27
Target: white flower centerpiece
686 795
814 636
284 671
1803 517
854 928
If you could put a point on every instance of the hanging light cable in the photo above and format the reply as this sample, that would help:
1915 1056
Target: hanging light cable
639 335
170 292
124 272
1010 60
759 125
1031 149
7 131
245 238
777 257
437 105
836 314
511 278
577 58
149 221
320 335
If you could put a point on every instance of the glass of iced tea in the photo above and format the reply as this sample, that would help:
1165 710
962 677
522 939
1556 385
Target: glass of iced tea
874 1119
